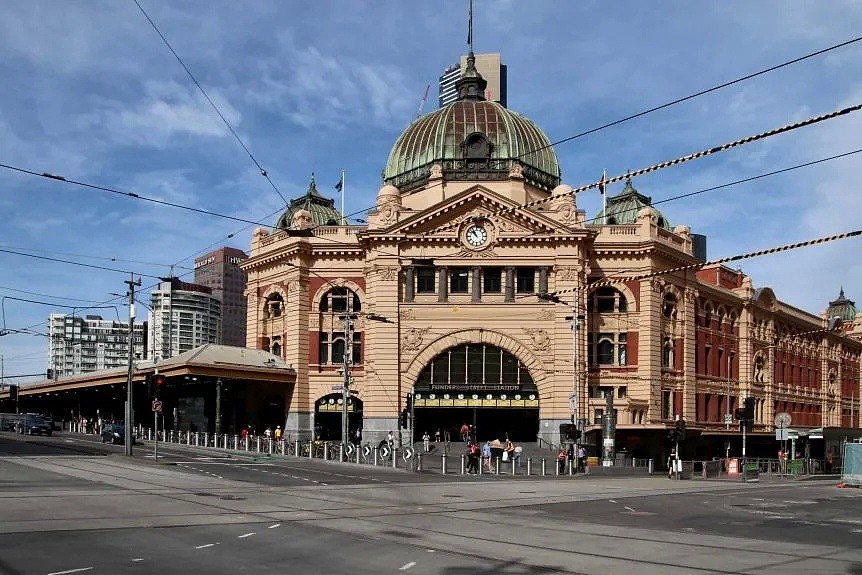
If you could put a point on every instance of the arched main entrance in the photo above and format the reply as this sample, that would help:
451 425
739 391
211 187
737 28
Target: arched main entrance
327 417
481 385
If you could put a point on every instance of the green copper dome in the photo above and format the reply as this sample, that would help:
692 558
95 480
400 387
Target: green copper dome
842 307
624 207
472 139
321 210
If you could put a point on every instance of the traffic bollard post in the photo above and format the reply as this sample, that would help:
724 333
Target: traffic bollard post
444 465
311 448
374 450
326 451
529 466
544 467
513 466
394 459
419 463
482 464
497 466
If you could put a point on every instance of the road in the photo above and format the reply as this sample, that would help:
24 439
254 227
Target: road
69 508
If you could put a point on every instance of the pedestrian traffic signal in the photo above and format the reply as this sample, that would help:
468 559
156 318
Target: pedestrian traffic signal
404 418
409 401
154 384
13 392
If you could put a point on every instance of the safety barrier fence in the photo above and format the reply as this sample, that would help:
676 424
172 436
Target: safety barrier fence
746 469
405 458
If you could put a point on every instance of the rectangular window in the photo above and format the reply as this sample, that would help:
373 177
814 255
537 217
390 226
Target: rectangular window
605 349
591 350
492 364
458 280
323 349
425 280
458 366
525 280
357 348
598 415
621 348
492 280
720 362
665 404
510 369
622 391
474 363
440 368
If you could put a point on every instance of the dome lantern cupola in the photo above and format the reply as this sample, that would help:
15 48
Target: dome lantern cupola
321 211
842 307
625 207
471 85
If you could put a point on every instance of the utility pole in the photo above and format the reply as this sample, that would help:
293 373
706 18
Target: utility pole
345 385
218 407
132 283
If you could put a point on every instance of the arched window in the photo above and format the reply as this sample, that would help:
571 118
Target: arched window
340 300
606 349
476 147
275 349
332 344
607 300
273 306
667 353
474 366
669 306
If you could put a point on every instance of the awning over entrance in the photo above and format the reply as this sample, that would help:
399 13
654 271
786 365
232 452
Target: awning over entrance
520 398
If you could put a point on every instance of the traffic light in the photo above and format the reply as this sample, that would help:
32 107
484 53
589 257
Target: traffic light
409 402
745 415
672 435
404 418
13 392
155 383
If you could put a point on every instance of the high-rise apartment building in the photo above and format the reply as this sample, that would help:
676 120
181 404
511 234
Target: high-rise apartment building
219 270
183 317
86 344
491 69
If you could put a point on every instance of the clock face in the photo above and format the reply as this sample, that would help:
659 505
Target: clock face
476 235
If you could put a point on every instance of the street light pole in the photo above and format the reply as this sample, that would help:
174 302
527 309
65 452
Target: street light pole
345 385
129 407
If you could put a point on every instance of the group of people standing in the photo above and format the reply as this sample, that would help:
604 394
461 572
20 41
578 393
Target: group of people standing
577 458
490 451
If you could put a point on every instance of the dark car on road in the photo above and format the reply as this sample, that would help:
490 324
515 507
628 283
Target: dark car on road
32 424
114 433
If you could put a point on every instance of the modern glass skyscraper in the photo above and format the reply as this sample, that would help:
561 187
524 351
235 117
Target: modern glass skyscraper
219 270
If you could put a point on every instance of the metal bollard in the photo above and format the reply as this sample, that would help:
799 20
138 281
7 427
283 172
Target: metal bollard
650 467
482 465
269 445
571 467
497 466
296 448
394 459
462 463
513 466
206 438
418 463
374 449
236 442
529 466
443 463
544 467
311 448
257 448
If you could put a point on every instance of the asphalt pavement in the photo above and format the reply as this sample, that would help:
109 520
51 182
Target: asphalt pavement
69 505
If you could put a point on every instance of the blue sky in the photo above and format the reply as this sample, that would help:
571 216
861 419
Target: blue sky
91 93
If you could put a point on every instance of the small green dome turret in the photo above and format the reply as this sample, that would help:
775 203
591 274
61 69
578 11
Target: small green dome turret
624 207
321 210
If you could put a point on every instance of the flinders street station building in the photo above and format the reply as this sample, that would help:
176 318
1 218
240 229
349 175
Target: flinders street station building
517 320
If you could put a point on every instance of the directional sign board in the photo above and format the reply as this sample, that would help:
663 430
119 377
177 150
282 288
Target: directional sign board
157 406
408 453
728 418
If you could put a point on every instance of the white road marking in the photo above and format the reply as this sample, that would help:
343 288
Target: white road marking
204 546
431 550
136 559
274 526
407 566
611 500
245 535
71 571
630 509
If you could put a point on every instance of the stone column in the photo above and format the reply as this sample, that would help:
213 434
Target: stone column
543 280
510 284
443 288
477 284
409 284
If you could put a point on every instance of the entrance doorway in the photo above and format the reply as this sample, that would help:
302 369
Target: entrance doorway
327 417
481 385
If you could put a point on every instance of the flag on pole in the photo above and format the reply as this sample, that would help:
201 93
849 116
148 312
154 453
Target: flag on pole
602 183
470 27
340 183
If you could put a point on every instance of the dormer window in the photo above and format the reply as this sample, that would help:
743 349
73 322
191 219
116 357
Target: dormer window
476 147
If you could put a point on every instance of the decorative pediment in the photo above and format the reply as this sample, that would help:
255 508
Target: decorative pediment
446 218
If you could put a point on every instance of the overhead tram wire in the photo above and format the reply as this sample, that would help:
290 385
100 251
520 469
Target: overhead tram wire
745 180
699 265
695 95
674 162
260 168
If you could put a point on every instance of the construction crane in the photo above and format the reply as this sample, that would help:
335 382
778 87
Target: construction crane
423 100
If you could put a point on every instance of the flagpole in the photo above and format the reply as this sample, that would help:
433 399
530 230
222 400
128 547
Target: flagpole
343 219
604 200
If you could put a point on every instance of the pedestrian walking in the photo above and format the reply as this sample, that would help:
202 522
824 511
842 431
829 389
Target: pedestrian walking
582 458
437 436
426 442
486 455
278 433
517 455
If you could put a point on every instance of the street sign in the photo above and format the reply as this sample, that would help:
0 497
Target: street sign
573 401
728 418
157 406
408 453
366 451
782 434
337 388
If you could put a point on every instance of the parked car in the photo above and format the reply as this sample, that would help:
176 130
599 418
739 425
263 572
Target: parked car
33 424
114 433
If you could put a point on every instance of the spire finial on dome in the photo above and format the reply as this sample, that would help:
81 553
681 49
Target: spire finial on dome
470 30
471 85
